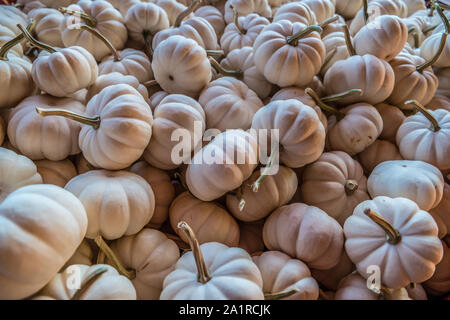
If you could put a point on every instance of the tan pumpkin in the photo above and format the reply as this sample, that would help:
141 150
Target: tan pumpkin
301 134
16 171
162 187
49 25
213 271
56 172
98 282
290 229
295 11
2 131
222 165
416 180
102 16
330 278
229 104
250 236
348 8
417 140
210 222
33 250
440 213
243 32
416 292
174 113
289 54
83 255
282 274
276 191
378 152
392 117
38 137
177 72
82 164
113 78
439 283
334 183
213 16
246 7
393 230
117 203
384 37
443 75
242 60
439 102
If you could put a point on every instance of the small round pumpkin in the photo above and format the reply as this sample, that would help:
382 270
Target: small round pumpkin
56 172
348 8
246 7
439 283
117 203
392 117
378 152
440 213
49 24
213 16
323 9
295 11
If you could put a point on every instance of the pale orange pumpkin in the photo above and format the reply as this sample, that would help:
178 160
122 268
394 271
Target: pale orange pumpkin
56 172
378 152
439 102
439 283
392 119
440 213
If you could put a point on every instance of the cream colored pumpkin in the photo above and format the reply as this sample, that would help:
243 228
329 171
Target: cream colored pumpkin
83 255
431 45
393 230
301 134
222 165
336 49
334 183
172 8
243 32
56 172
417 140
246 7
295 11
64 72
117 203
323 9
113 78
6 35
37 137
101 282
416 180
281 273
210 222
213 271
49 25
439 283
177 72
162 187
384 37
174 113
16 171
156 99
392 117
213 16
306 233
33 249
152 256
330 278
378 152
287 57
275 191
373 76
348 8
229 104
106 20
250 236
242 60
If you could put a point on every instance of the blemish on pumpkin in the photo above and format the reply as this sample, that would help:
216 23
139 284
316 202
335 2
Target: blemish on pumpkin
171 78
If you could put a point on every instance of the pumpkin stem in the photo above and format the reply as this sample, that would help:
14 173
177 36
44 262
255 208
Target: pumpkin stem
342 95
100 257
227 73
434 123
103 246
91 121
328 58
293 40
255 185
88 281
429 29
241 199
236 20
281 295
104 39
90 21
432 7
413 31
348 41
351 186
328 21
435 58
15 41
366 11
339 115
151 83
35 42
186 12
392 234
385 293
203 275
214 53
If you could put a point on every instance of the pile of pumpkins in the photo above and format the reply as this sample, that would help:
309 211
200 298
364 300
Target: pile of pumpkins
94 206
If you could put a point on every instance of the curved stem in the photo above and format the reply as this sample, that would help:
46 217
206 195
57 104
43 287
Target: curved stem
255 185
342 95
426 30
434 123
91 121
236 20
103 246
339 115
104 39
293 40
214 53
348 41
203 275
281 295
441 45
432 7
227 73
392 235
328 21
328 59
90 21
366 11
351 186
241 199
88 281
15 41
35 42
186 12
151 83
100 257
